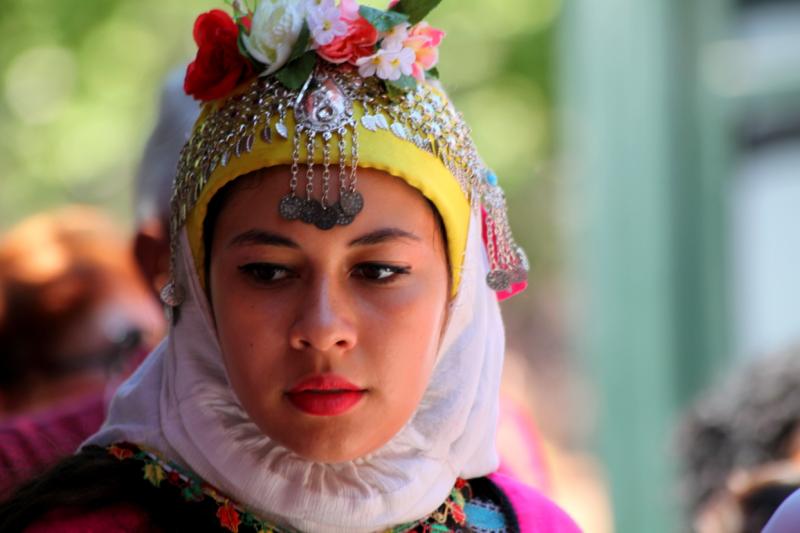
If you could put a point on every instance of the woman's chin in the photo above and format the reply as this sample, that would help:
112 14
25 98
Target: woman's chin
327 443
324 451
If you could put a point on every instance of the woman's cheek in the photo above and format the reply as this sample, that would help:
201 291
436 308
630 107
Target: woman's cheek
245 331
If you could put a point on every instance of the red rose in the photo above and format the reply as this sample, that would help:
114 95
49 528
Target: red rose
219 66
359 41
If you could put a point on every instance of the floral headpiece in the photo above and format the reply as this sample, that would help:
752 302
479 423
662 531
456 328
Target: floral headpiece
288 38
298 82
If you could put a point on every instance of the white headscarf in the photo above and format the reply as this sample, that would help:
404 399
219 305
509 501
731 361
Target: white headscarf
180 403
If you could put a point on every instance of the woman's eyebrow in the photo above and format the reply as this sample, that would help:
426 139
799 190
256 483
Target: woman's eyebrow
383 235
263 238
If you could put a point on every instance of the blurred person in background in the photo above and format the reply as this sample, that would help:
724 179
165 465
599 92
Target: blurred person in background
30 444
76 316
786 519
74 308
739 447
153 186
749 499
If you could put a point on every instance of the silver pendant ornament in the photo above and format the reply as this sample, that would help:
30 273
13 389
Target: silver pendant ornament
323 109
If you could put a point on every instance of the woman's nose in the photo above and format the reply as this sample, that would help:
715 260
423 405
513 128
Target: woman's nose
324 320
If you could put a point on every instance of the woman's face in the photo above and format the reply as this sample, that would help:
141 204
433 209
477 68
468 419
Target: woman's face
329 337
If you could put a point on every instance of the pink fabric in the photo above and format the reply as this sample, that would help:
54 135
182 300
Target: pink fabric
114 519
532 465
29 444
535 513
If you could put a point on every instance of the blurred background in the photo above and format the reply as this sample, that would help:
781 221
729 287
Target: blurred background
651 154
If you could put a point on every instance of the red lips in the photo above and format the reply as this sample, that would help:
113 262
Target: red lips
325 395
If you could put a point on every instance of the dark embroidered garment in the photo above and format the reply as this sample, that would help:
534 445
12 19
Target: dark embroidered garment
477 505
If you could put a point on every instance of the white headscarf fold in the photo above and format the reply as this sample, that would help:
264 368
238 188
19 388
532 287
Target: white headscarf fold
180 403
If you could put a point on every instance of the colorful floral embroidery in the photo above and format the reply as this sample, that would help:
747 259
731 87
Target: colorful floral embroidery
229 517
154 474
485 517
449 517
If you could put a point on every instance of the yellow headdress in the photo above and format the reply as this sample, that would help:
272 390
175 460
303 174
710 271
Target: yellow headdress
341 120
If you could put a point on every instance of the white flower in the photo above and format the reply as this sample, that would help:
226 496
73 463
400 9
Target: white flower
387 65
393 39
325 21
276 26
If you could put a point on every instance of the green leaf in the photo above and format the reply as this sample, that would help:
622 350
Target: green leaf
404 83
416 10
432 73
382 20
295 74
242 47
301 43
393 92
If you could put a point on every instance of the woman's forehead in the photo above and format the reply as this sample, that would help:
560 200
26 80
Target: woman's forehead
391 208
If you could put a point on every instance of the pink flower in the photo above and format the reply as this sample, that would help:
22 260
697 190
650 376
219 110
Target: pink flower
424 40
393 3
349 9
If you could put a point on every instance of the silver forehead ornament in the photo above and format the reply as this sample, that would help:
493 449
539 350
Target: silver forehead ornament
322 108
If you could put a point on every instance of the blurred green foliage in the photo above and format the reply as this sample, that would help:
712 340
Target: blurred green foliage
80 80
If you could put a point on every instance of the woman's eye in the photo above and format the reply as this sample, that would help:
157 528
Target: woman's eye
265 272
380 273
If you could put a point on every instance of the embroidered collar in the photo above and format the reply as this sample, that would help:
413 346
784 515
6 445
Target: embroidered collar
449 517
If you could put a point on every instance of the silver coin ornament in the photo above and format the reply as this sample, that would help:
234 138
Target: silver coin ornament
172 295
327 218
344 219
310 212
290 207
498 280
351 203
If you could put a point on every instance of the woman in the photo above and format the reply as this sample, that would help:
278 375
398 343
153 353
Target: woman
335 351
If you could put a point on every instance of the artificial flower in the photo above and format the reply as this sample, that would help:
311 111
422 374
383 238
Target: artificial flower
423 39
387 65
219 66
393 39
349 9
325 21
358 42
274 30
